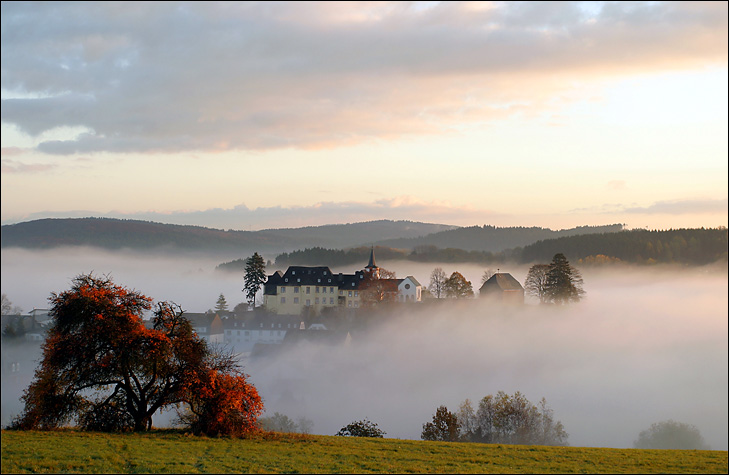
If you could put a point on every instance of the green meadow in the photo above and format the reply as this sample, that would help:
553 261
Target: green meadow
70 451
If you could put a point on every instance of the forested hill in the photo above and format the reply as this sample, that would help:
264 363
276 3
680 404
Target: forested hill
681 246
492 239
109 233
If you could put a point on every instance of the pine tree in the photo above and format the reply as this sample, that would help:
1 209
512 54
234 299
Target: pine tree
254 278
564 282
221 305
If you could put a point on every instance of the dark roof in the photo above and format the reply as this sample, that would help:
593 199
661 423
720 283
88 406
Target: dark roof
210 321
372 259
501 281
328 337
302 275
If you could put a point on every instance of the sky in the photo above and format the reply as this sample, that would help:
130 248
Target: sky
260 115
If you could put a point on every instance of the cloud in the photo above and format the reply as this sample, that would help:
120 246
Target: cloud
171 76
243 218
682 207
12 166
616 185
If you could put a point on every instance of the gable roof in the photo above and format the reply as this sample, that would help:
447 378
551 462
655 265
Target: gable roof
501 281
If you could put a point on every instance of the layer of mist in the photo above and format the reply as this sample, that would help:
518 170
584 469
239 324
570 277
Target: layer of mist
645 345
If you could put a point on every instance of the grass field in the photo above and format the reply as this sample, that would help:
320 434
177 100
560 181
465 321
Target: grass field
173 452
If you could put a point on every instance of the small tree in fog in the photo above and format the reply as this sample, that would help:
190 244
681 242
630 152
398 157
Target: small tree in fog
504 419
444 426
457 287
487 274
467 421
535 283
254 278
8 308
437 283
305 426
363 428
221 305
671 435
278 423
564 282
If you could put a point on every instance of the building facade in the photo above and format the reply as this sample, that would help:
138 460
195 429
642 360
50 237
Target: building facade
314 289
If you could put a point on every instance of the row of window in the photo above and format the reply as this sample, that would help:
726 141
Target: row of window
317 301
322 290
280 333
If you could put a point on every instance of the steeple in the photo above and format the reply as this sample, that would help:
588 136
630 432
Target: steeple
372 258
372 266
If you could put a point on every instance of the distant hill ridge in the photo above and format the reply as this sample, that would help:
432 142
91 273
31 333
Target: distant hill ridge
493 239
111 233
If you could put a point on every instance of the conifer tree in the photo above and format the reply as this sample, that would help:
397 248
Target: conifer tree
255 277
221 305
563 282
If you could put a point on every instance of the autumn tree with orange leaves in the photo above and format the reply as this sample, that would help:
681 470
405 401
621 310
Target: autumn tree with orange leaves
106 369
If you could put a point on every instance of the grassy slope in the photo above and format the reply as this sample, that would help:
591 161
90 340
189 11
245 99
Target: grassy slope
172 452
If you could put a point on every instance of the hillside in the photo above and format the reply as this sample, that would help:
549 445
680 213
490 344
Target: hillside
174 452
674 246
111 233
491 238
680 246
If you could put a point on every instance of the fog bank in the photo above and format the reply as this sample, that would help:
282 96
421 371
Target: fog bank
644 346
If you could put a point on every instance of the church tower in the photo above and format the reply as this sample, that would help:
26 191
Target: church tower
372 268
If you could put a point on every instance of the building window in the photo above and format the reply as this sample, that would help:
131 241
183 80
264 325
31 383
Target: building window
317 290
331 301
296 300
298 280
283 299
350 293
407 286
308 290
283 290
325 272
356 304
296 290
318 280
293 272
308 302
286 279
356 293
316 300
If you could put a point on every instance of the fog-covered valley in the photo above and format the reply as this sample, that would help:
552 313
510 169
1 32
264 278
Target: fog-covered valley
645 345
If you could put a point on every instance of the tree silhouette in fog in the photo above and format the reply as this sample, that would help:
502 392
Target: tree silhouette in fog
255 276
671 435
563 282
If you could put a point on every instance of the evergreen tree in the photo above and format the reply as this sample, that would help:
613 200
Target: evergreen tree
254 278
222 304
563 282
